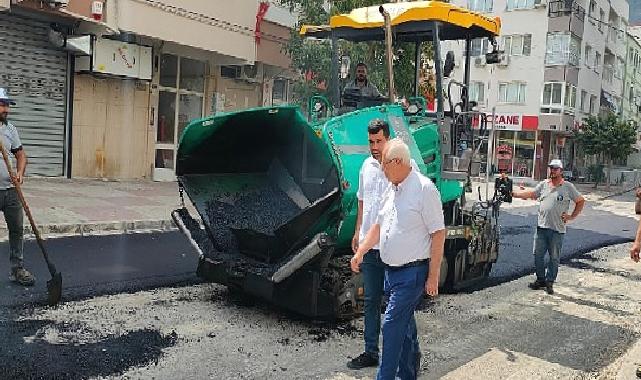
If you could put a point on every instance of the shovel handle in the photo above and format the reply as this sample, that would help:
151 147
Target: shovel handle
25 206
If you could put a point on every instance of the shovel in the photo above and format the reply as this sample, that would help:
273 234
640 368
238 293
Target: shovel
54 286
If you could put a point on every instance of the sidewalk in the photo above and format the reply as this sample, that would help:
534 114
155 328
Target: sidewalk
79 207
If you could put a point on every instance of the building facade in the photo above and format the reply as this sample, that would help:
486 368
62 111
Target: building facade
133 74
561 61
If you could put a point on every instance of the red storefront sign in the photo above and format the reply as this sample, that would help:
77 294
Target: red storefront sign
511 122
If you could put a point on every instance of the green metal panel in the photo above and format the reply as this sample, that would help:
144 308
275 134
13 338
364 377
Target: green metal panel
234 152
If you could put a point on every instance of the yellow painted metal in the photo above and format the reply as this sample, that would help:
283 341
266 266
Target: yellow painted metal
401 13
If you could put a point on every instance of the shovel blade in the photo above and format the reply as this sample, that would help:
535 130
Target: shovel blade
54 289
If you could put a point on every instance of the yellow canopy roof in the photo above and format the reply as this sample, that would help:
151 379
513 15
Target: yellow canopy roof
413 18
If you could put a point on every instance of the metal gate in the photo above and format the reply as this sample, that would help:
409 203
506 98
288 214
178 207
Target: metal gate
35 72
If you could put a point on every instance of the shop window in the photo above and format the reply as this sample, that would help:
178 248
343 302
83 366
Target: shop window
517 44
562 49
483 6
512 92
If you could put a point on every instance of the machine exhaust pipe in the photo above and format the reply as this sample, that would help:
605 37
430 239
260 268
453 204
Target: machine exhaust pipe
390 53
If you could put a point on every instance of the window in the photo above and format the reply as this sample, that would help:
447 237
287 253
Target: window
587 54
569 101
631 96
479 46
597 61
619 68
517 44
477 92
562 49
520 4
484 6
601 19
558 97
512 92
592 7
552 98
231 72
279 91
584 99
592 104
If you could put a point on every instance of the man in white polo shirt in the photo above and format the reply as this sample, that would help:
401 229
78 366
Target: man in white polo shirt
371 185
410 230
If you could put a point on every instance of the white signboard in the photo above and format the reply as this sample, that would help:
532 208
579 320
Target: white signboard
122 59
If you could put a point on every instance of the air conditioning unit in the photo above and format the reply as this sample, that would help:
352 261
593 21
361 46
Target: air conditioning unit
251 73
479 61
504 60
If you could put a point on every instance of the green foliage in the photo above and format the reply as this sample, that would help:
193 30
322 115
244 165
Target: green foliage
312 58
608 136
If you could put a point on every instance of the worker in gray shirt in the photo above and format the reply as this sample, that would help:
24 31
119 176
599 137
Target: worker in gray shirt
9 202
554 196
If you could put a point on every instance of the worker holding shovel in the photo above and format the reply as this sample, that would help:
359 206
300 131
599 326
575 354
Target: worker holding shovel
9 200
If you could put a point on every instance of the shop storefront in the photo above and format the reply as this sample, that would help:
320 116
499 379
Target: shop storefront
36 74
517 144
181 99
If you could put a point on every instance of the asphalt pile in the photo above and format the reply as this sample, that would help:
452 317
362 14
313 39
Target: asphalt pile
261 210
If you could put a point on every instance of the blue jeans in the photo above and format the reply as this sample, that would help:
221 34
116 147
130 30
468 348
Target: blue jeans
550 241
373 271
405 287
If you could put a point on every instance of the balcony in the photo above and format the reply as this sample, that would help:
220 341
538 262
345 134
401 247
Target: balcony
566 15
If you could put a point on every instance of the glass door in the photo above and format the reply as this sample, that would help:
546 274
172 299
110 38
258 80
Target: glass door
180 100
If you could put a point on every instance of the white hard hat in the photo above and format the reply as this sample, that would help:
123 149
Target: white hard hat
556 163
4 97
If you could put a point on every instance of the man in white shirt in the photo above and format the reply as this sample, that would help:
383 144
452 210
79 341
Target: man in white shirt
410 230
371 185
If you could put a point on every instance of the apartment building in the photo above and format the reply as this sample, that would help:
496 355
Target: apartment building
562 60
632 90
118 81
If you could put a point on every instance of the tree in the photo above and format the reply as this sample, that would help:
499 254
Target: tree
312 59
606 137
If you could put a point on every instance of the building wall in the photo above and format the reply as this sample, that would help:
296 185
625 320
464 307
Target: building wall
165 21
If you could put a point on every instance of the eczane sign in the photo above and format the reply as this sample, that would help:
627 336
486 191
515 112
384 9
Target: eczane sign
506 121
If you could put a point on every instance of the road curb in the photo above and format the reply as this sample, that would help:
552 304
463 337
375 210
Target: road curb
49 231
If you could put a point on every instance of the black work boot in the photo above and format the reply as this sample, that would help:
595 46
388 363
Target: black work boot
536 285
549 287
363 360
22 277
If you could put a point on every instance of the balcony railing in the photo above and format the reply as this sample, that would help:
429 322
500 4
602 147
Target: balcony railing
560 8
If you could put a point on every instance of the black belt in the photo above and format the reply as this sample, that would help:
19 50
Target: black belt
416 263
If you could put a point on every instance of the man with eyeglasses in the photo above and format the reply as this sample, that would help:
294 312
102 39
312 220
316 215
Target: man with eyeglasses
410 232
554 196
